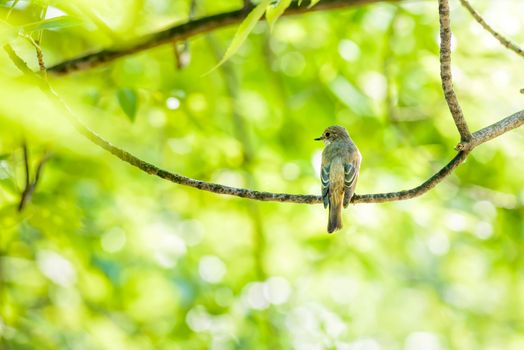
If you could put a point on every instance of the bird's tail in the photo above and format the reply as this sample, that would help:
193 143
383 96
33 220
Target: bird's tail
335 216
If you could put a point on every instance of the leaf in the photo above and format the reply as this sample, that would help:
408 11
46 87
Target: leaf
54 23
243 31
128 99
273 12
8 185
313 3
7 33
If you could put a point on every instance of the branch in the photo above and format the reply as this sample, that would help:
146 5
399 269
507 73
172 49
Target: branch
505 42
479 137
267 196
476 139
189 29
27 192
183 180
30 186
445 72
26 165
181 52
494 130
469 140
416 191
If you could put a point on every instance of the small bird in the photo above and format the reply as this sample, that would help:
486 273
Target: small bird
339 173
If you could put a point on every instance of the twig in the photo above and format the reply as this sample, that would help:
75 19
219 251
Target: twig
505 42
26 165
186 30
40 168
181 52
445 72
13 5
39 56
27 192
30 186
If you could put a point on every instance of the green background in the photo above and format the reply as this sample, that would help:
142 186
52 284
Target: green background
107 257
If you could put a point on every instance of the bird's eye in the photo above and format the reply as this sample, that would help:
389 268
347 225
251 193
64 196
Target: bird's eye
327 134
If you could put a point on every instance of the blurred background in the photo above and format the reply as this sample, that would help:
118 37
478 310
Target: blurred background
105 256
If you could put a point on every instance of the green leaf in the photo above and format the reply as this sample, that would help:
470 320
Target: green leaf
55 23
7 32
128 99
8 185
273 12
243 31
5 156
313 3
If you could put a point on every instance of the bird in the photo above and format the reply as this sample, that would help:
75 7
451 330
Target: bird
339 172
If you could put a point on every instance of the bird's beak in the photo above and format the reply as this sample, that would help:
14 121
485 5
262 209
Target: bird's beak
319 138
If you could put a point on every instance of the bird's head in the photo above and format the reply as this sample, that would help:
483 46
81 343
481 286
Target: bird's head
333 133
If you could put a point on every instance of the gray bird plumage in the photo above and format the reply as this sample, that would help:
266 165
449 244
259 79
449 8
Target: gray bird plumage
339 172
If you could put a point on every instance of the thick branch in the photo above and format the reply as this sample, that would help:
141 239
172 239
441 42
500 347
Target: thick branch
190 29
505 42
445 72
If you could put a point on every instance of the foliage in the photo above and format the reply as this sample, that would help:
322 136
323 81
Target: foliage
107 257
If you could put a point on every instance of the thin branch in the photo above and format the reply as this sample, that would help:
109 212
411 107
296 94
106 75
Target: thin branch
181 52
27 192
505 42
39 56
189 29
30 185
40 168
285 197
416 191
13 5
445 72
267 196
494 130
26 164
183 180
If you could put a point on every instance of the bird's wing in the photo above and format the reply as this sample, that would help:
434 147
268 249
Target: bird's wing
350 180
324 178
